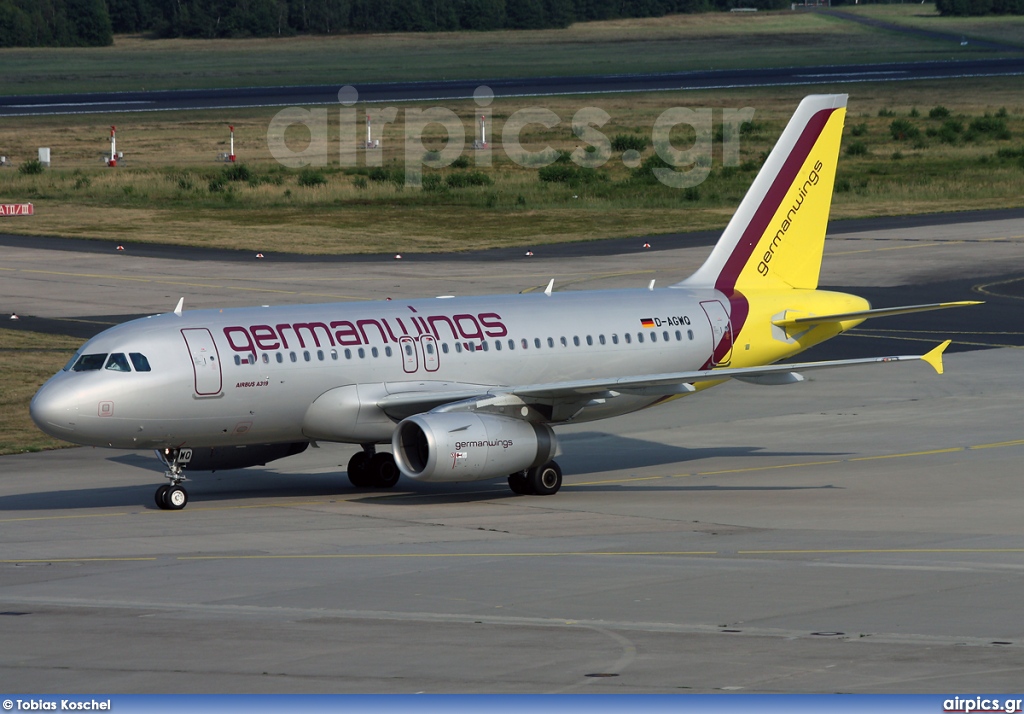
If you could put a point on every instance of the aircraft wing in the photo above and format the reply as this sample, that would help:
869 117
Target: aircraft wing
454 398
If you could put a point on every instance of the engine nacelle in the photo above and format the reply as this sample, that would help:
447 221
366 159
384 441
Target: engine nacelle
466 446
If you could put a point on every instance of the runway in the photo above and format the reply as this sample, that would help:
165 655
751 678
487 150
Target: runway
231 98
860 532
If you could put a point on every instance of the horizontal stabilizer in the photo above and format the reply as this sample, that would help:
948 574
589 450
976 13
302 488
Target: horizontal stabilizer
934 357
866 314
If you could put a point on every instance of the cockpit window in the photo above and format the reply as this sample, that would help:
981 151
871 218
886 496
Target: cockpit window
71 362
140 362
118 363
87 363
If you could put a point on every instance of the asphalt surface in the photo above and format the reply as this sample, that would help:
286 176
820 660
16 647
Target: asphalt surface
113 102
859 532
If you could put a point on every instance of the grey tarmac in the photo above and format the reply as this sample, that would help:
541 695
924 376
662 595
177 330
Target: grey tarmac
859 532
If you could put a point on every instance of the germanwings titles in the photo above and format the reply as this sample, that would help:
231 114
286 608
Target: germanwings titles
468 389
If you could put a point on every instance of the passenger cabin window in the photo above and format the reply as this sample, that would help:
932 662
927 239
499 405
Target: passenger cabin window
576 340
536 342
88 363
140 362
118 363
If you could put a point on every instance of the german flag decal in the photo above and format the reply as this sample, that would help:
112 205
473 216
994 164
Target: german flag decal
646 322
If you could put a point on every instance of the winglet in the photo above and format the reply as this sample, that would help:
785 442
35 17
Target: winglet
547 290
934 357
181 304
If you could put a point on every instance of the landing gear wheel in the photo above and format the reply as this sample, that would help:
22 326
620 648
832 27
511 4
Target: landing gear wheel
161 497
176 498
518 483
359 471
544 480
383 471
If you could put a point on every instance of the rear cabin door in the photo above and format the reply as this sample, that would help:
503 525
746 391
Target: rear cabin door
205 361
429 346
721 331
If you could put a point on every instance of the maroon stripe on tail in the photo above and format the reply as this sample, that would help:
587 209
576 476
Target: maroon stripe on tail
763 215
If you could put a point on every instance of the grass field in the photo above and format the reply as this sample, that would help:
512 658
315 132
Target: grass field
1007 29
172 190
674 43
27 359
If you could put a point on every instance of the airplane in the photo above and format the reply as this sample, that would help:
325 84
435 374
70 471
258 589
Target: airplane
468 389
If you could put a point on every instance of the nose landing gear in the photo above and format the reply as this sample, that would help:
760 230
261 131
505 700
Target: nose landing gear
172 497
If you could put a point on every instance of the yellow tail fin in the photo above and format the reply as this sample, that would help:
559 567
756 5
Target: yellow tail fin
777 235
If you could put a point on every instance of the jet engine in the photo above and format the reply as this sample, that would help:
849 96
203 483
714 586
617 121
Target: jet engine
467 446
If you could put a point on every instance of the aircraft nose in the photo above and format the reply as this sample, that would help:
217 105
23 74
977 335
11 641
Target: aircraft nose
54 409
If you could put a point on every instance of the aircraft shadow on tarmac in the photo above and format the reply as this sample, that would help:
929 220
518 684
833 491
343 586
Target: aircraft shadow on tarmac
583 453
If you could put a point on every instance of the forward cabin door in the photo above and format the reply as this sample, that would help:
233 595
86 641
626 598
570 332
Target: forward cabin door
721 331
410 360
205 361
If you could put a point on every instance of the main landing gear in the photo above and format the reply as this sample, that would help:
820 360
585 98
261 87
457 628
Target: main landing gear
537 481
172 497
368 469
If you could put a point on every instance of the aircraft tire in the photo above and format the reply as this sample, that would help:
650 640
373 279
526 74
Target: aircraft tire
176 498
519 484
161 497
358 470
544 480
383 471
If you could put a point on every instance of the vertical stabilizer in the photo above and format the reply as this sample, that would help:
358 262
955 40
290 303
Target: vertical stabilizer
776 237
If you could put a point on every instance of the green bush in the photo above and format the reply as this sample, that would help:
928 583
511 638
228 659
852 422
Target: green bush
993 127
237 172
31 167
857 148
568 174
471 178
950 131
461 163
627 142
380 174
886 113
310 177
429 182
939 112
903 129
914 114
859 129
216 185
